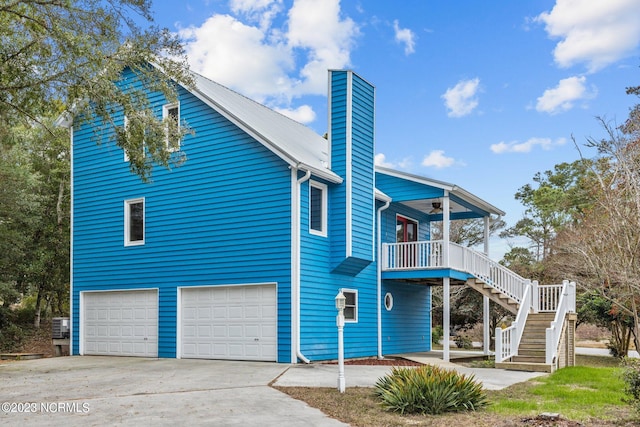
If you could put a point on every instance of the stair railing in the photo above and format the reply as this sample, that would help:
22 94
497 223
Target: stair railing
491 272
566 304
508 339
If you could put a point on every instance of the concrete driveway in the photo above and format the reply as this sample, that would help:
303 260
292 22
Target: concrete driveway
119 391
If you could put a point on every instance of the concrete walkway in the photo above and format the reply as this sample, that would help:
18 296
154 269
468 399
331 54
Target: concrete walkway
322 375
129 391
124 391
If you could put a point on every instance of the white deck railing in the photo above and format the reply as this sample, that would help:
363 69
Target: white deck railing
428 254
566 304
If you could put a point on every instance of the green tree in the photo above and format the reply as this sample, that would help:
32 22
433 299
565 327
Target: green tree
602 250
74 51
556 199
34 216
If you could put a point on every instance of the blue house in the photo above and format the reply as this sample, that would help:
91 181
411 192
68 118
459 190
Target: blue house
239 252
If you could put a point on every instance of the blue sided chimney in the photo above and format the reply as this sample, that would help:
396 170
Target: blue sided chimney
351 138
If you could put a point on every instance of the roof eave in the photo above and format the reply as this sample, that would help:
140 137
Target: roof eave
452 188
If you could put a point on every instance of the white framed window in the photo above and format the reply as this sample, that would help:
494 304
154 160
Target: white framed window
125 123
351 305
318 208
172 111
134 222
388 301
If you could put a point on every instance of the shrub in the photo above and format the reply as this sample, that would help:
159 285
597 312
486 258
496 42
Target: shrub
631 378
436 334
463 341
429 390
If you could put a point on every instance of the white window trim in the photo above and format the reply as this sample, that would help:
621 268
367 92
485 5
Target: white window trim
125 124
388 301
355 311
165 114
325 209
127 221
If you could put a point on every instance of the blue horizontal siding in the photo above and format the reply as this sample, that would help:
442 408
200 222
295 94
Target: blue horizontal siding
406 328
318 290
222 217
388 226
402 190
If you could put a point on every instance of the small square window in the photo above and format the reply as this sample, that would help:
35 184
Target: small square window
134 222
317 208
351 305
171 113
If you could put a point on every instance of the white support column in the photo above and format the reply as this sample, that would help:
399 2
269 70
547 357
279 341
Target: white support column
485 299
445 318
445 229
446 281
486 323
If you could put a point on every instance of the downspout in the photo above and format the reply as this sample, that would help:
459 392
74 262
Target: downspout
295 271
379 278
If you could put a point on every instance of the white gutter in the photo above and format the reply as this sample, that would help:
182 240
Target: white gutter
71 242
379 278
295 265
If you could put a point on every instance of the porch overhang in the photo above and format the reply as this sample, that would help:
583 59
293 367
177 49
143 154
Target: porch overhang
431 276
419 193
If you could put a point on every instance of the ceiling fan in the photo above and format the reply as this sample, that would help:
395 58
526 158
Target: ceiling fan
437 208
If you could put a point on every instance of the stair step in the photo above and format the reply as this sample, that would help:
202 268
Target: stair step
525 366
528 359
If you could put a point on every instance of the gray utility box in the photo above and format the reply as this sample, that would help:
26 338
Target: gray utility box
60 328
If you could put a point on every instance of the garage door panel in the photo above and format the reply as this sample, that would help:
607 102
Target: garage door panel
121 323
239 324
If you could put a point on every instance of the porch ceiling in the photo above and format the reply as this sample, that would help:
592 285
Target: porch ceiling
463 204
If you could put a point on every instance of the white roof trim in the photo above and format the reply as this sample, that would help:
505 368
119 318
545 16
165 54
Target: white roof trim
452 188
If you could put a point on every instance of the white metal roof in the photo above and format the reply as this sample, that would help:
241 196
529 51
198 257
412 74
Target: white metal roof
292 141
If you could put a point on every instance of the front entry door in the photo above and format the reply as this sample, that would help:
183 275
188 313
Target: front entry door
407 232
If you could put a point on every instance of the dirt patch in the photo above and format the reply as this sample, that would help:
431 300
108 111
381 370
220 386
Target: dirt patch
378 362
38 341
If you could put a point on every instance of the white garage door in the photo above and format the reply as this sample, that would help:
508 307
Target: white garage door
121 323
229 322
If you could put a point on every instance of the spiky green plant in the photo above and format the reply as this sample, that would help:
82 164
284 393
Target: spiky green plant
429 390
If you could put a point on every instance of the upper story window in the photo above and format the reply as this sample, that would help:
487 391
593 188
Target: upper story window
172 112
351 305
317 208
134 222
135 130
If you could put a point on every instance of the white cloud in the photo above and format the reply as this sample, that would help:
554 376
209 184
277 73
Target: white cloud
262 11
525 147
381 160
597 33
461 99
273 64
302 114
562 97
317 28
438 160
406 37
238 55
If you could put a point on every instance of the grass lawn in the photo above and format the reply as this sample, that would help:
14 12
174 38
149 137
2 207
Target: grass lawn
589 394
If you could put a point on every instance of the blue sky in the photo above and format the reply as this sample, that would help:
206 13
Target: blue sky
482 94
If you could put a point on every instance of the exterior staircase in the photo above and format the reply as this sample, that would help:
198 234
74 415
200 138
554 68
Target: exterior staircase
542 336
532 349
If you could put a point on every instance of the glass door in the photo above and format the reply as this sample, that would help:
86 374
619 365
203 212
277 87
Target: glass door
407 232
